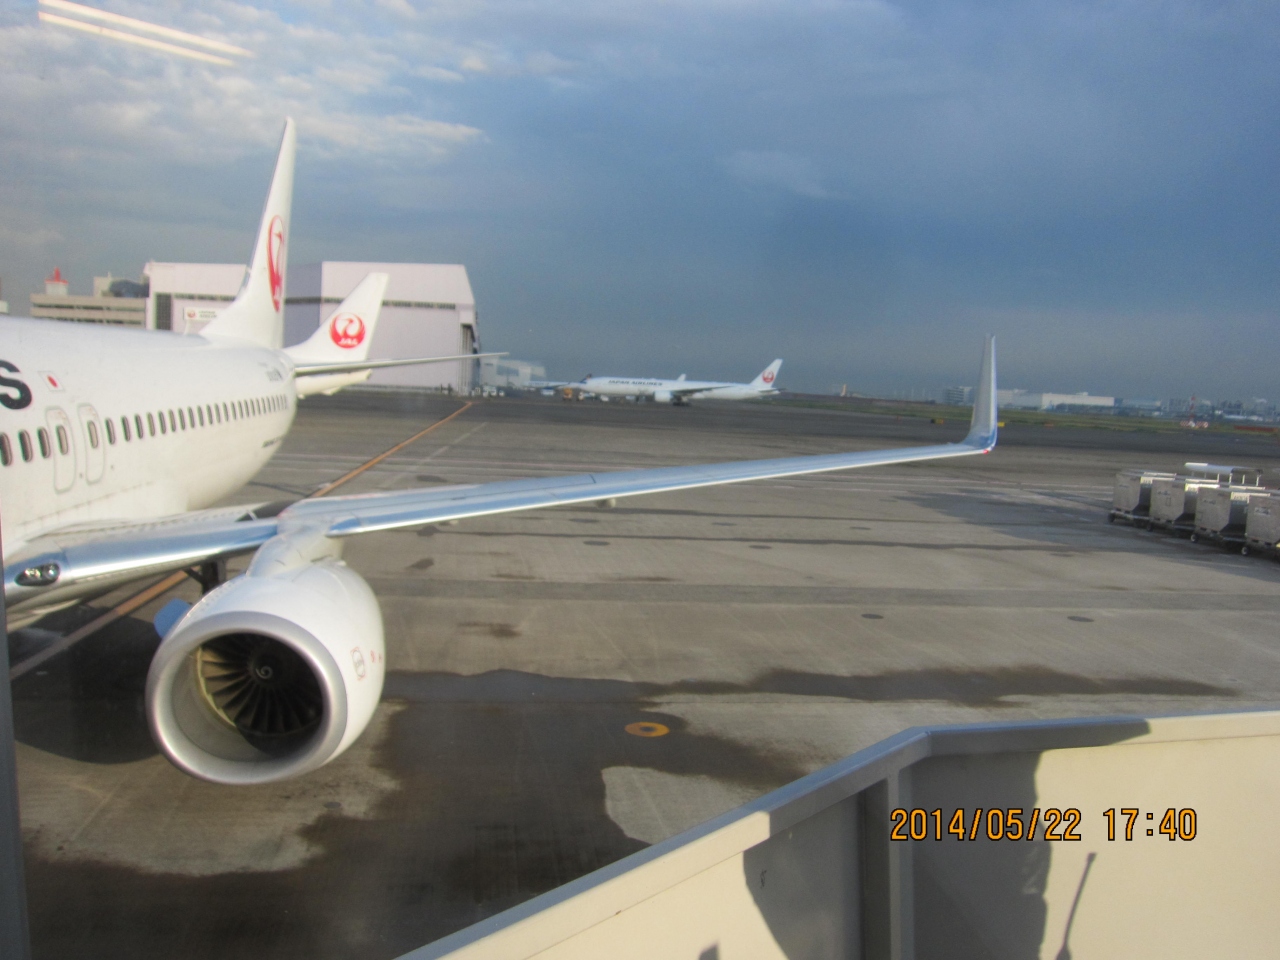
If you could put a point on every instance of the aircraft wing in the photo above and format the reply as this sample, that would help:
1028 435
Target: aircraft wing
57 568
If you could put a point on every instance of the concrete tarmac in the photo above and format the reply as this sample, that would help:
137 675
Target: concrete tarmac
769 628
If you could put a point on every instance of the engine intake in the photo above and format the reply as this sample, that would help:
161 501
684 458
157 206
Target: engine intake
268 677
261 687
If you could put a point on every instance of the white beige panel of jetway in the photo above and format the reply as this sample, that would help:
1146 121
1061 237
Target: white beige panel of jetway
1153 837
1262 523
1131 498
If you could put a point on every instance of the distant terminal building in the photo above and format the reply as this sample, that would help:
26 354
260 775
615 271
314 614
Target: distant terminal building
505 373
117 302
429 311
958 396
1025 400
1139 407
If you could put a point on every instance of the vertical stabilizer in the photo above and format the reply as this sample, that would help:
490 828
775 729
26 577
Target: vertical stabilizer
257 315
343 338
767 376
982 428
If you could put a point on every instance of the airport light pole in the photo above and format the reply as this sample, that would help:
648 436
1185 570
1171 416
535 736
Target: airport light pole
15 939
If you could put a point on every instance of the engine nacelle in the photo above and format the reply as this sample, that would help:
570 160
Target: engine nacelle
269 676
662 396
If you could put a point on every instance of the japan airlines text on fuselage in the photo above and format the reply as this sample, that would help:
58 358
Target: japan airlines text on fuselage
682 390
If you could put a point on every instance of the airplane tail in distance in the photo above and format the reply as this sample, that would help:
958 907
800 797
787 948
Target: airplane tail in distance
257 314
767 376
347 334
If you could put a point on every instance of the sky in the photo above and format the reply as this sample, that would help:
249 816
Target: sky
863 188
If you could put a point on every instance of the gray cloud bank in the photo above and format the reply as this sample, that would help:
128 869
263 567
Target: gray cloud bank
861 187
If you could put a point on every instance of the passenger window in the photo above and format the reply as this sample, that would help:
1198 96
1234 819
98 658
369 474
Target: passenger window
151 425
137 422
200 414
124 428
42 437
226 414
111 431
91 428
24 444
173 422
182 419
6 451
191 418
64 444
164 427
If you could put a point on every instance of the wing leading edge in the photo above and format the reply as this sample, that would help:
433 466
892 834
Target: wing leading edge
85 565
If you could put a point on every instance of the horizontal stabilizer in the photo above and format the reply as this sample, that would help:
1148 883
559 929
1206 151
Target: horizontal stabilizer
317 369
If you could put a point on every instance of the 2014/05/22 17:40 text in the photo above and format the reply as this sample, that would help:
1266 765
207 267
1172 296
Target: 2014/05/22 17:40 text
1015 823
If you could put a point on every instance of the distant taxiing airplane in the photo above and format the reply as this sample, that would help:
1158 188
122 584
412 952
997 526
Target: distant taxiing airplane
111 442
681 390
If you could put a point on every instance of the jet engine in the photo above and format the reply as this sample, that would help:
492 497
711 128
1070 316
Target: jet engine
271 675
662 396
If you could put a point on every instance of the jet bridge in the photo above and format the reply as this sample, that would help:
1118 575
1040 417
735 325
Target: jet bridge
1113 837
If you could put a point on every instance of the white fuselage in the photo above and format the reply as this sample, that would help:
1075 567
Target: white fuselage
650 388
106 424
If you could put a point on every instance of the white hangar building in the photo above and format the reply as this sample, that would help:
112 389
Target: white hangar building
429 311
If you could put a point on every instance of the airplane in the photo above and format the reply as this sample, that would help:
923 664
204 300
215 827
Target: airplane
276 671
681 390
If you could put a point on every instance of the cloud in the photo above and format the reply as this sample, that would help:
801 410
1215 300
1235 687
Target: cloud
774 168
872 178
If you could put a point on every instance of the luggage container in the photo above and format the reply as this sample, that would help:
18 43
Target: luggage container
1132 497
1221 513
1173 502
1262 524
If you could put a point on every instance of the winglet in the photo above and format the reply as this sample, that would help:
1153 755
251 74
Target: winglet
982 428
257 314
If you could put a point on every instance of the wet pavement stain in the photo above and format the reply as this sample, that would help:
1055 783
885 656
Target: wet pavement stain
501 797
499 631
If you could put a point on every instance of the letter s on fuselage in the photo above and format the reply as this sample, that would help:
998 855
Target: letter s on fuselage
22 399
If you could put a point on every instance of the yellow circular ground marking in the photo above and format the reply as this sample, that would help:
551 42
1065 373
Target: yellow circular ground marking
646 728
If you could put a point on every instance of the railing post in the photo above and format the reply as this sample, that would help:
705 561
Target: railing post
15 939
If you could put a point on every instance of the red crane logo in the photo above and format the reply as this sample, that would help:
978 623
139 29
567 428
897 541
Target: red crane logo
275 251
347 330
